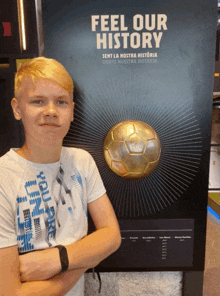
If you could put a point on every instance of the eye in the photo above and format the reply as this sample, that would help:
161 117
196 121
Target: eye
37 102
61 102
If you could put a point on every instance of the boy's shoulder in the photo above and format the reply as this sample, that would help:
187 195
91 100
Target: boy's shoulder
77 157
9 168
6 159
75 153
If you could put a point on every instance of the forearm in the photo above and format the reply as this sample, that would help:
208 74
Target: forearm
39 265
56 286
94 248
86 253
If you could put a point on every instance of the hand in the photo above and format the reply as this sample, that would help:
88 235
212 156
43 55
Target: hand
39 265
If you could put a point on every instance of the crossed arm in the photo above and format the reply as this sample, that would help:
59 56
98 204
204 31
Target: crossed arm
40 270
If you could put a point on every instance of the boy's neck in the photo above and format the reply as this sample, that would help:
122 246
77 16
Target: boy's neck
40 154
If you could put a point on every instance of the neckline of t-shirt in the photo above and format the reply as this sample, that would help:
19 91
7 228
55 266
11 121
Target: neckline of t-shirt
23 160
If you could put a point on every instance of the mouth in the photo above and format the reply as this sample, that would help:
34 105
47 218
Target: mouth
50 124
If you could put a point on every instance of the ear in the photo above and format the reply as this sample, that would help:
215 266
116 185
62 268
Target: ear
16 108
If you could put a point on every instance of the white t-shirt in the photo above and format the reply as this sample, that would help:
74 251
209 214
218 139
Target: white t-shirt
44 205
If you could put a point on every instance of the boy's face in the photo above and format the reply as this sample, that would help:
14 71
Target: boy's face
46 111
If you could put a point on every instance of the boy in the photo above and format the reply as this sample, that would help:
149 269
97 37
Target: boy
46 191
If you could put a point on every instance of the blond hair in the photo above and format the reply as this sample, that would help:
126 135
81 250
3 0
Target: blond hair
42 67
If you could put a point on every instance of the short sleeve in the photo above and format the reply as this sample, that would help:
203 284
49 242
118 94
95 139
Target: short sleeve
94 184
8 235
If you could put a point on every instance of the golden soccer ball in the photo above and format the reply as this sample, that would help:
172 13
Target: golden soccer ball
132 149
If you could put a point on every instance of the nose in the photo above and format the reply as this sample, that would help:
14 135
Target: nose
50 110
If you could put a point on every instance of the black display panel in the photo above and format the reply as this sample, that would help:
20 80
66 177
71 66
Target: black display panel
164 243
151 61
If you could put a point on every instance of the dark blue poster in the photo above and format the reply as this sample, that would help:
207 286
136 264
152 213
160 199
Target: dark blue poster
148 62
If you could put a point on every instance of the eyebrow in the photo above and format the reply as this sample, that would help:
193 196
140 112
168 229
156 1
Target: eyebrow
43 96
